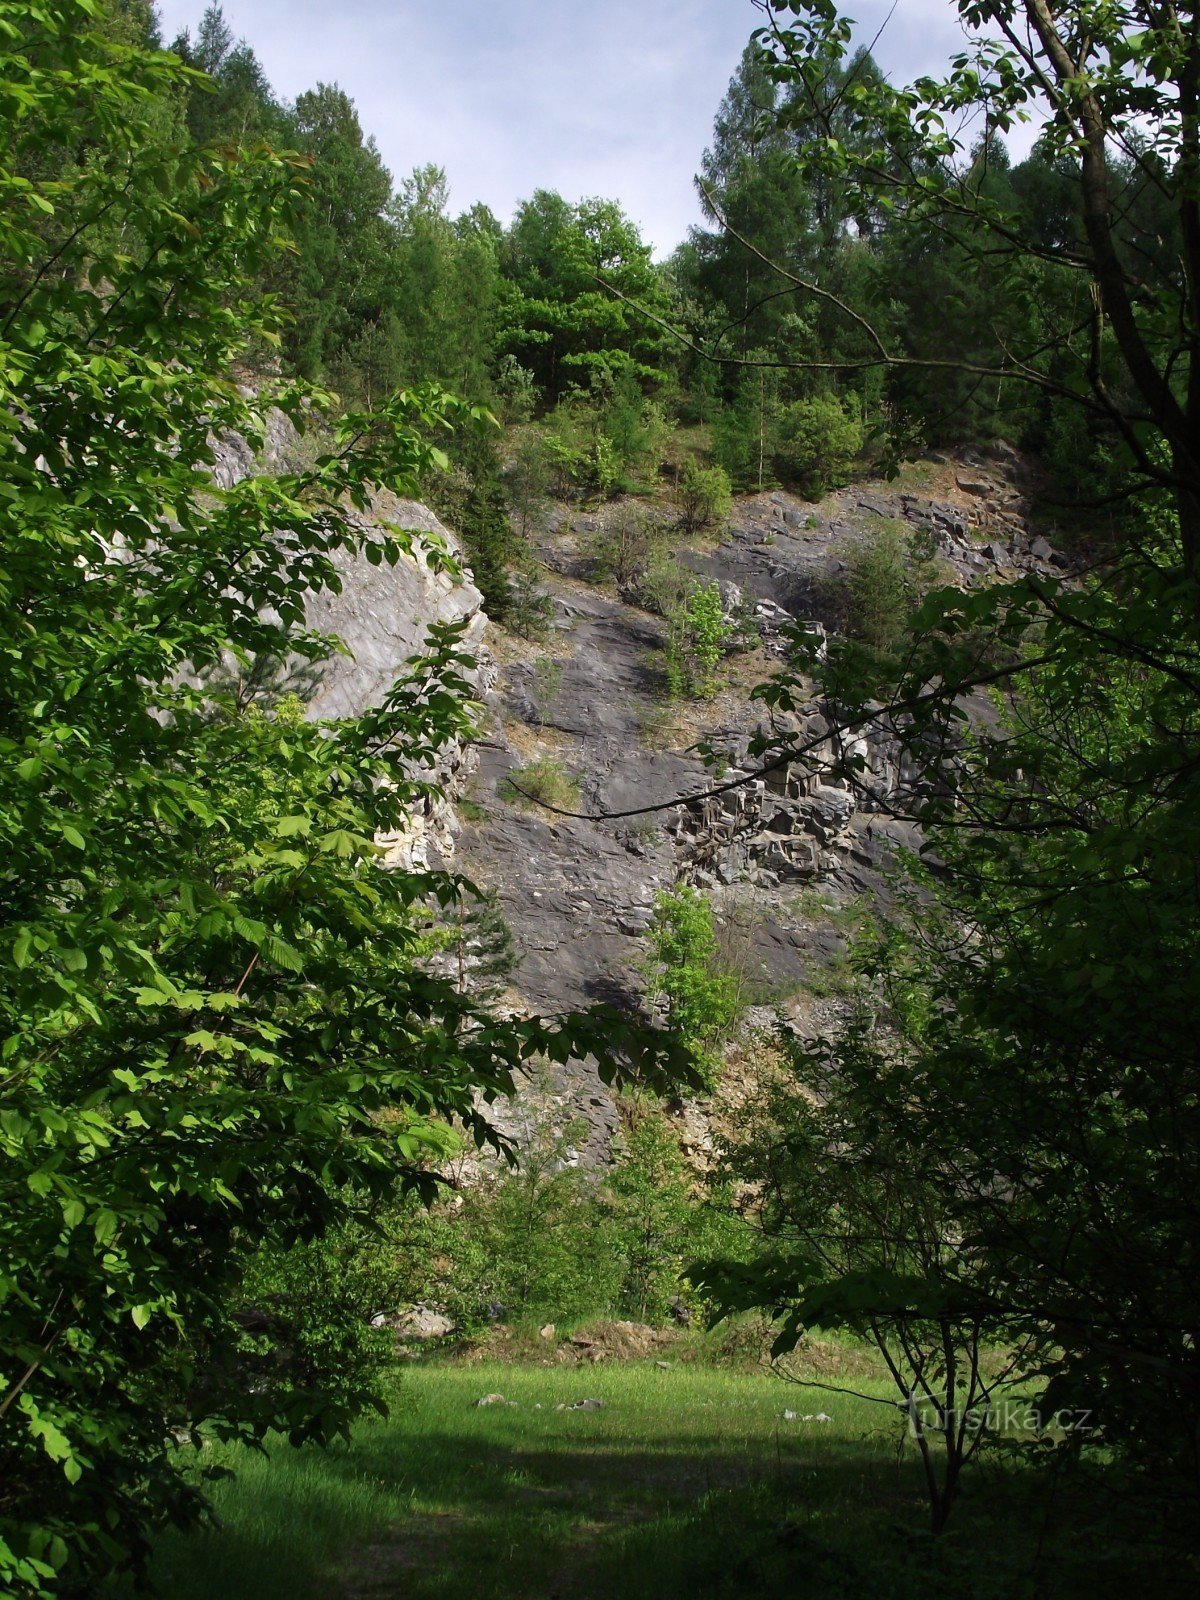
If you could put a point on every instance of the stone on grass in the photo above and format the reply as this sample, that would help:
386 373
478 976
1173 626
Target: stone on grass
493 1400
418 1322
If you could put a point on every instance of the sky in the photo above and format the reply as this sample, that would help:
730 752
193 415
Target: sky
590 97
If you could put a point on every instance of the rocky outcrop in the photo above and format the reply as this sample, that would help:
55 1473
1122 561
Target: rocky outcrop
381 615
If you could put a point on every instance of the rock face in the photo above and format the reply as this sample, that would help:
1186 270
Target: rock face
382 615
786 856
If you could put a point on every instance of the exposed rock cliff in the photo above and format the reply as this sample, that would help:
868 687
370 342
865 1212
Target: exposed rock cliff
382 616
786 858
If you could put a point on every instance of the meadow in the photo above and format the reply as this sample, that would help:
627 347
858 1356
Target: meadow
689 1480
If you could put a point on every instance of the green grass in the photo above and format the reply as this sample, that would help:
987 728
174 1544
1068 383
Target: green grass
542 782
689 1483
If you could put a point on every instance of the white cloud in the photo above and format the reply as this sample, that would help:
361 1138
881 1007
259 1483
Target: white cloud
613 98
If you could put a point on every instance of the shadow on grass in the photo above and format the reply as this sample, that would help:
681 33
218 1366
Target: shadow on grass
483 1510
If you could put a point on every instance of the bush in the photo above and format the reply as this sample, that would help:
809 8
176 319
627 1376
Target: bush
305 1313
546 1241
816 441
470 498
698 633
529 479
888 570
652 1200
528 608
684 967
543 782
516 392
705 497
626 545
606 437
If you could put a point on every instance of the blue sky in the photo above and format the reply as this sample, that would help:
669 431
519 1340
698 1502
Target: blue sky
611 97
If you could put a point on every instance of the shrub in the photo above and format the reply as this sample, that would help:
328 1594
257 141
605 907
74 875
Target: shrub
605 437
626 545
665 585
516 392
305 1314
528 607
698 633
528 480
816 442
705 497
684 967
651 1194
542 782
547 1247
470 497
888 570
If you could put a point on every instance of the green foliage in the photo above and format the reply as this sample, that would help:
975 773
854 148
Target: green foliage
888 572
529 607
528 479
475 943
705 497
544 1248
305 1313
559 319
654 1213
744 429
214 1032
605 438
627 546
1049 1051
698 634
816 441
516 392
980 310
542 782
471 497
865 1237
684 969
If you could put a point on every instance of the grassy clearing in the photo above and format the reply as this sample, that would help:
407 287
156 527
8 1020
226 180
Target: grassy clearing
689 1482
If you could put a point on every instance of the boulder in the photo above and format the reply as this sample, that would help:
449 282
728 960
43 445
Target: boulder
418 1322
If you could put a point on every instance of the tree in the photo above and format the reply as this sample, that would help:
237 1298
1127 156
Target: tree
336 278
684 967
858 1235
1109 324
559 320
214 1036
651 1194
1036 992
698 635
704 495
233 100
